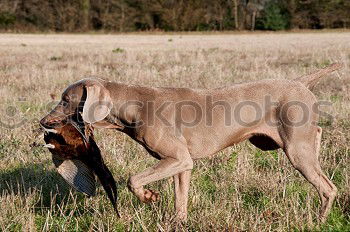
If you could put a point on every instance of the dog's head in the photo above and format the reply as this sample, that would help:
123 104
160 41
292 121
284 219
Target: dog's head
88 97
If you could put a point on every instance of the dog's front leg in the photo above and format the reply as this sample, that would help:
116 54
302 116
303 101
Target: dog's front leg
166 167
182 185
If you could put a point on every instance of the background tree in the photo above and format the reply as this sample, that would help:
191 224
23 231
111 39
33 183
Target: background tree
275 18
172 15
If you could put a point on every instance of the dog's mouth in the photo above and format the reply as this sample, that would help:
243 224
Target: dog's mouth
52 124
47 145
37 135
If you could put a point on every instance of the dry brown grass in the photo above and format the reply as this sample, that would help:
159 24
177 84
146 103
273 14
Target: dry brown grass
241 188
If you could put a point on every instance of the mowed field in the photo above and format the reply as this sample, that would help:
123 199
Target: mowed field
239 189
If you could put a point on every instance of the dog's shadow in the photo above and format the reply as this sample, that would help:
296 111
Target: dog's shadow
39 178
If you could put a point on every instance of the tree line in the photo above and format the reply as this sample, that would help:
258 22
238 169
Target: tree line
172 15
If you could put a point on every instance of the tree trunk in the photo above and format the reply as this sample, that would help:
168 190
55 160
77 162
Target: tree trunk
85 15
122 18
235 9
253 21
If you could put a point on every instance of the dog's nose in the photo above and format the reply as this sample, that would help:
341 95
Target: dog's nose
47 123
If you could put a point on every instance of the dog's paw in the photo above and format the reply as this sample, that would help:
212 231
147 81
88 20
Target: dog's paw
181 217
150 196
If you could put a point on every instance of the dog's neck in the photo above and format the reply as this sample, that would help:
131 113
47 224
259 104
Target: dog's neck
127 103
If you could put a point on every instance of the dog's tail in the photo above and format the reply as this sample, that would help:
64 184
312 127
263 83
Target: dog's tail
311 80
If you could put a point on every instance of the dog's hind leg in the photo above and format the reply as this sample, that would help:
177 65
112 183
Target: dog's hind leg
318 141
182 185
304 157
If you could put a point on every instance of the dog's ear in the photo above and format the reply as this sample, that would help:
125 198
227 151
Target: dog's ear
98 103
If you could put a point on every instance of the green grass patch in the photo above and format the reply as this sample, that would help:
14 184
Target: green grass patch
336 98
337 221
297 189
254 198
15 227
55 58
323 63
211 50
207 186
60 223
26 106
7 147
265 160
338 177
232 162
118 50
325 122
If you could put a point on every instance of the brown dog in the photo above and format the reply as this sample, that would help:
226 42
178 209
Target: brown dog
172 126
78 159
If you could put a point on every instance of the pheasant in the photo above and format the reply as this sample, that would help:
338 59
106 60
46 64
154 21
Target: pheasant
78 159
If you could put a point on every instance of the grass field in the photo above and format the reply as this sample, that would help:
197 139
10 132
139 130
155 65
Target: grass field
239 189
